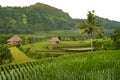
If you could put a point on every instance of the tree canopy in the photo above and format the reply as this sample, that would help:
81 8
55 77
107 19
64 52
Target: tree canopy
116 37
5 55
90 26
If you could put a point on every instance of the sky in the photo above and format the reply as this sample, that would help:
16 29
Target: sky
76 8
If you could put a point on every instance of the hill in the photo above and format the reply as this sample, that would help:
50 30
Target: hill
32 19
108 25
41 17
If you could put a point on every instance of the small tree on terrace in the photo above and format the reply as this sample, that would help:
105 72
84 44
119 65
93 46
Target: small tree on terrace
116 37
5 55
90 26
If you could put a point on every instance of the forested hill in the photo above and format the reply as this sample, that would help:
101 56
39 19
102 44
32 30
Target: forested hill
32 19
41 17
108 25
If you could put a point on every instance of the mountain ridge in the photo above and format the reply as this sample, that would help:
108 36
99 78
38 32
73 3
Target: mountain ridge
41 17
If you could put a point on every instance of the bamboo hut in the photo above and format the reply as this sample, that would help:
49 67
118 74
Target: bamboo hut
14 40
54 40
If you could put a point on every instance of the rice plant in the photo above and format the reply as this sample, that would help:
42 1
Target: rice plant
102 65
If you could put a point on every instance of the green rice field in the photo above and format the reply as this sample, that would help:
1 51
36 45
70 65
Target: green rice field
19 57
101 65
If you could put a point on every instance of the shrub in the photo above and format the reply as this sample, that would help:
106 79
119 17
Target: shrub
5 54
116 38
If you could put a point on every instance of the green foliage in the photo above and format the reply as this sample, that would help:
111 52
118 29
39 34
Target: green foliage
105 23
4 38
32 19
5 55
90 27
41 17
105 44
103 65
116 38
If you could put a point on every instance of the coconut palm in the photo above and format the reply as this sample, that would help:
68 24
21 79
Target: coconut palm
90 26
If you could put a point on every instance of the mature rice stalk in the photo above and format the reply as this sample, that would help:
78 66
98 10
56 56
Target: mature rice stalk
37 72
12 74
23 74
16 75
0 77
7 74
29 72
109 74
19 73
33 72
116 72
3 77
42 72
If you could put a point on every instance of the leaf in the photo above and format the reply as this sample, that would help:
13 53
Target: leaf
82 31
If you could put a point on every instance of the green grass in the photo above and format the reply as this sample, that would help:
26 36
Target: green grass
43 46
101 65
46 49
37 46
19 57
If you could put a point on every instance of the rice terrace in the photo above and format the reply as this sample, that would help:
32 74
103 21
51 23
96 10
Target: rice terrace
40 42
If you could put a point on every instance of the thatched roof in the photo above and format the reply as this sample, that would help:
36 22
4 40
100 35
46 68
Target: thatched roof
54 39
14 38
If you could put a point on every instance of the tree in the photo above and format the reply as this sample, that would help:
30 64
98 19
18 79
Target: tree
24 19
4 38
5 55
116 37
90 26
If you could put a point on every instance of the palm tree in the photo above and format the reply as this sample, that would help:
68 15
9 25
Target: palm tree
90 26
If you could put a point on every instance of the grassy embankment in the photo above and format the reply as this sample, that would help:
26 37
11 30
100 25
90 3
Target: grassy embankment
19 57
